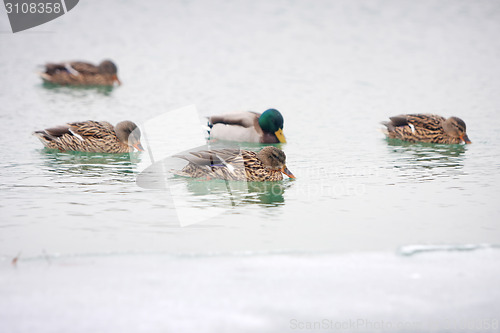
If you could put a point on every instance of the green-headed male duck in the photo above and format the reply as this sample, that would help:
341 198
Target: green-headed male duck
248 126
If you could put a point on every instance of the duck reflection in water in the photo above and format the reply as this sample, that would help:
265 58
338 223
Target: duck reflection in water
57 92
222 192
90 165
426 161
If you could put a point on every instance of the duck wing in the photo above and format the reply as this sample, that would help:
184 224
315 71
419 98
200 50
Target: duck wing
220 157
90 128
57 131
83 67
245 119
427 121
53 133
51 69
74 67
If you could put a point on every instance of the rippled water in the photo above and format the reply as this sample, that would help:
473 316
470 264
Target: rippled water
334 69
371 227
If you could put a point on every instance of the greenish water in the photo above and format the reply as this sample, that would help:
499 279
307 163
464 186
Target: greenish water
335 70
372 229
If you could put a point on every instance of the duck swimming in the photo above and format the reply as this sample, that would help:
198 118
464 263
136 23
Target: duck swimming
429 128
81 73
92 136
233 164
248 126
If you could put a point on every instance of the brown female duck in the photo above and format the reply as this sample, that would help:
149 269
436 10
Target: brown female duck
233 164
93 136
81 73
429 128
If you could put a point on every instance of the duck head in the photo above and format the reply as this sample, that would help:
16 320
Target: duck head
128 133
108 67
271 121
274 158
455 127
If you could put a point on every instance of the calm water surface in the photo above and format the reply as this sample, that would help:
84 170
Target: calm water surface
334 69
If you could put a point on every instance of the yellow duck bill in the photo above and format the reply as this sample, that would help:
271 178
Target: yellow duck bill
281 137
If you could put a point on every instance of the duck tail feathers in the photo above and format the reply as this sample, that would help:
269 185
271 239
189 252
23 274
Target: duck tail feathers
389 126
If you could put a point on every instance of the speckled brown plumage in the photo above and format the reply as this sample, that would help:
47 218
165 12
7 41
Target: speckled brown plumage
233 164
92 136
81 73
429 128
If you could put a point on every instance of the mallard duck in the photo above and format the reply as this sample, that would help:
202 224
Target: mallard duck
248 126
93 137
234 164
427 128
81 73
